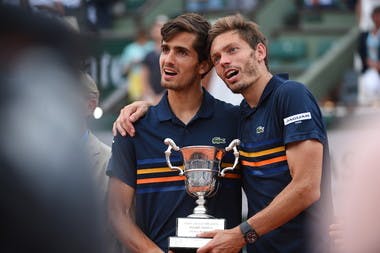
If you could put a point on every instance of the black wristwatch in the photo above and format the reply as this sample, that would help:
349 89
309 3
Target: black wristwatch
249 233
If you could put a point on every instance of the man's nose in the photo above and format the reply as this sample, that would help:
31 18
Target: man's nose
224 60
169 57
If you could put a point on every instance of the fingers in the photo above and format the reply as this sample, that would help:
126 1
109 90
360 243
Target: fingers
207 247
336 234
129 128
128 115
123 124
335 230
204 249
208 234
118 127
141 107
114 131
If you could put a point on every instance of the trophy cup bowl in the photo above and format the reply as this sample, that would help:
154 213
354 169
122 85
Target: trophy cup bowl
201 170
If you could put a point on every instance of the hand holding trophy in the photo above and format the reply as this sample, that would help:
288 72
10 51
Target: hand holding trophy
201 169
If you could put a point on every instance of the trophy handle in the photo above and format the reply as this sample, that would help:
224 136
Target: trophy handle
232 146
172 145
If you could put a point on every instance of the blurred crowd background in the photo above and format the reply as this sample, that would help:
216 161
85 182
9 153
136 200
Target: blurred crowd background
116 42
314 41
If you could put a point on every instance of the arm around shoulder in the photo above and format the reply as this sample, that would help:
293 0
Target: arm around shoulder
129 115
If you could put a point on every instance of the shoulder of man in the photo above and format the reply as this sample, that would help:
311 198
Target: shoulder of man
96 146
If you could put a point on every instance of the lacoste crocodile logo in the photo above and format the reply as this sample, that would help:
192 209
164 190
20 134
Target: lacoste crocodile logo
259 130
218 140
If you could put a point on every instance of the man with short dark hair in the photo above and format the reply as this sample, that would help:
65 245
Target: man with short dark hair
145 196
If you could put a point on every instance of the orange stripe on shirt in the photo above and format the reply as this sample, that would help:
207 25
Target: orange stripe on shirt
176 178
160 179
224 165
230 175
167 169
265 162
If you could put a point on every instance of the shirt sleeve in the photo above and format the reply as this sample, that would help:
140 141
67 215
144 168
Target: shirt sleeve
122 164
299 113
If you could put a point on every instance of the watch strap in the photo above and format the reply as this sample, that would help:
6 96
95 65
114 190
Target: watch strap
250 234
245 227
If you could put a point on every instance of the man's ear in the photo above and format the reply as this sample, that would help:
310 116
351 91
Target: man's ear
204 67
91 105
261 51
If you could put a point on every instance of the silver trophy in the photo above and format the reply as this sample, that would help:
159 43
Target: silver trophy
202 166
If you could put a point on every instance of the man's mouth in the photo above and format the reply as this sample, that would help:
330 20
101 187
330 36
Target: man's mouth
231 73
170 72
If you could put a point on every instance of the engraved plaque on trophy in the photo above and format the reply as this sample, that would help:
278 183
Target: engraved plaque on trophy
201 169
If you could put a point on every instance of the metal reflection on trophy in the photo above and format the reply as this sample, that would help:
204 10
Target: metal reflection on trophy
202 166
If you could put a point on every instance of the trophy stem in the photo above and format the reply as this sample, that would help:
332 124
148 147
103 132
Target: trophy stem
200 210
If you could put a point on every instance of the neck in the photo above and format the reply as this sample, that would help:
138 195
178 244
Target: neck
185 103
253 94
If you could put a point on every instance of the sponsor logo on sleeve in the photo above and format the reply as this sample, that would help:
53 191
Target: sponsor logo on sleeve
296 118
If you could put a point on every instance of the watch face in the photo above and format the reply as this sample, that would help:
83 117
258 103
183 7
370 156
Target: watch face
250 236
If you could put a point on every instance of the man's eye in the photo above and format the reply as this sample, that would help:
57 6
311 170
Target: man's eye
164 50
215 60
232 49
182 52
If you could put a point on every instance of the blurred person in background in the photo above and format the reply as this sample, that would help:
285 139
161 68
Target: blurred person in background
358 200
131 59
49 7
202 6
319 3
99 14
98 155
52 7
98 151
48 198
151 76
363 10
369 51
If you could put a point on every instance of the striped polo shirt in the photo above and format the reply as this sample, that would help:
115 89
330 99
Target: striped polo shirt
287 112
160 192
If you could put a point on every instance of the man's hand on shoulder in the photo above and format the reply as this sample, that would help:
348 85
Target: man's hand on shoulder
129 115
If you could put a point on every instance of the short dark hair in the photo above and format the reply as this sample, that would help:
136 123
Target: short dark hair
247 30
191 23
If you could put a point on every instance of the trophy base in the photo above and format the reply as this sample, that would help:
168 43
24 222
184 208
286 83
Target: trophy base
187 231
186 244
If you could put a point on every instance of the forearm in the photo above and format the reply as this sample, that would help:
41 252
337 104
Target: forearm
305 166
121 216
130 235
290 202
